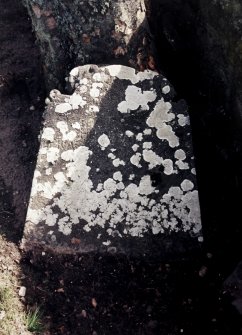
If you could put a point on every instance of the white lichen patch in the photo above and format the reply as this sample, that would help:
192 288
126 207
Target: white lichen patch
147 145
168 166
118 176
183 120
48 171
166 89
145 186
76 101
83 89
66 134
193 171
127 73
63 108
108 242
48 134
68 155
139 137
161 114
84 81
74 72
135 147
158 119
111 155
181 165
120 186
104 141
129 133
165 132
135 159
135 98
117 162
152 158
97 77
187 185
94 92
76 125
51 219
65 226
93 109
147 131
180 154
52 154
110 186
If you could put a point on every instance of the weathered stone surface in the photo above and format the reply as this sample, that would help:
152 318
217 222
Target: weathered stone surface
72 33
115 169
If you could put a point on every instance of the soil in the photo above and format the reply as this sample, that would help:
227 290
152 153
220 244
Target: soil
21 97
91 294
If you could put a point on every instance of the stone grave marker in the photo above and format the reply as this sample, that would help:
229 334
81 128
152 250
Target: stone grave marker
115 169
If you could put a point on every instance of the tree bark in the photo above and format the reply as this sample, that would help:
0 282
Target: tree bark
84 32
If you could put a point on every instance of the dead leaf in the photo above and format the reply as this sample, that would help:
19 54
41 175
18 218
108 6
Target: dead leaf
151 63
86 39
203 271
94 302
75 240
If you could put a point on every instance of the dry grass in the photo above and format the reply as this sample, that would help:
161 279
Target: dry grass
13 317
12 313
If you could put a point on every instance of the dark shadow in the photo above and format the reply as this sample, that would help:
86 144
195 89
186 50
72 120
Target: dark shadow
95 294
21 106
185 49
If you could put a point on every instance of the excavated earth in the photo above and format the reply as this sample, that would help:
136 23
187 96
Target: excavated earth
95 294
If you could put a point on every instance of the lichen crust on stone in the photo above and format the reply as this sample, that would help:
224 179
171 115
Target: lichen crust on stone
115 161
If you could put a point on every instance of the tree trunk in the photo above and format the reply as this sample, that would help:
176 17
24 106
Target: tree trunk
84 32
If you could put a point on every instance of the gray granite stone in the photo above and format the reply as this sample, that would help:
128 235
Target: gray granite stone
115 169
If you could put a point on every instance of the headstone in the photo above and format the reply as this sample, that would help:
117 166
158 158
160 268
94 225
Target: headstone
115 169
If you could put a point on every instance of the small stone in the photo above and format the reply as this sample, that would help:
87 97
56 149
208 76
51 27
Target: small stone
94 302
32 108
203 271
84 313
152 324
2 314
209 255
22 291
